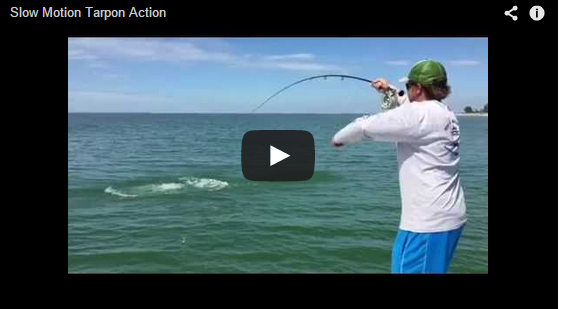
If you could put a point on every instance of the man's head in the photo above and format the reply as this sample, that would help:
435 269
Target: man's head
427 80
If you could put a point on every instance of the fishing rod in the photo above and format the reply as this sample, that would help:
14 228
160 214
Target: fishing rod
310 78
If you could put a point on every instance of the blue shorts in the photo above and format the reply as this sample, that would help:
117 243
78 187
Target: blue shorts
419 253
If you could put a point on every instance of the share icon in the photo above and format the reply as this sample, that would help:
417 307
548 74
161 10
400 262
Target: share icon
508 13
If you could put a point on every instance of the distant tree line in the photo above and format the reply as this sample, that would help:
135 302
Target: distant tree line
469 110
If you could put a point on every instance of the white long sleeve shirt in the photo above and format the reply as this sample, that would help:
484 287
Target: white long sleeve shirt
427 137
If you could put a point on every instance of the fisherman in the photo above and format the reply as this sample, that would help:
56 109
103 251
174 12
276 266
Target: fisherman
426 133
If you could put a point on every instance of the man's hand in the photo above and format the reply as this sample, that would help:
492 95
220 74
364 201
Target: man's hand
381 85
338 145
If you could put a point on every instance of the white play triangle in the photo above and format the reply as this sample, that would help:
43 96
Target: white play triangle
277 155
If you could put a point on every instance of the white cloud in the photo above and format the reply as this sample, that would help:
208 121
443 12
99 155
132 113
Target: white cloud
97 64
95 49
111 96
79 54
397 62
113 76
464 62
290 57
143 49
299 66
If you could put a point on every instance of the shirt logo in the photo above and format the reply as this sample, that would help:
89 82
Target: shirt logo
454 145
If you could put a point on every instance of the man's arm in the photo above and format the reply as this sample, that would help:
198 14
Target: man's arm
397 125
377 127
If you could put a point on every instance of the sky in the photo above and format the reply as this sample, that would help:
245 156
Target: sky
235 75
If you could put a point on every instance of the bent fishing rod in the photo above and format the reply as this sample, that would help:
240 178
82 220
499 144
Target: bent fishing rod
310 78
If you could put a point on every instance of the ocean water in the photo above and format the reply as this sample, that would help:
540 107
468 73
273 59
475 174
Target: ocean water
164 193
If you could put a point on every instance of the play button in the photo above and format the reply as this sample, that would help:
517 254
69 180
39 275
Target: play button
278 155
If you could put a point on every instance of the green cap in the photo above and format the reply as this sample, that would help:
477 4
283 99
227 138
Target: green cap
427 72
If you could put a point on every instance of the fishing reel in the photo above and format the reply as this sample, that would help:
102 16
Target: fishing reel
390 98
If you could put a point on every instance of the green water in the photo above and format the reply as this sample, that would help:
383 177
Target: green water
165 193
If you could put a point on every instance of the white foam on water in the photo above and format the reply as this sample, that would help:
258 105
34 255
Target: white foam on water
171 187
205 183
164 187
113 191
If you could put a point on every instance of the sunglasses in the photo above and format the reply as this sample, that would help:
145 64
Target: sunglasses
409 85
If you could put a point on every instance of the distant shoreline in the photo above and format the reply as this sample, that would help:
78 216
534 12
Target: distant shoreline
473 114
